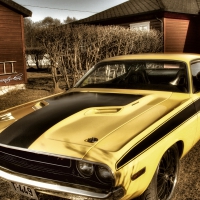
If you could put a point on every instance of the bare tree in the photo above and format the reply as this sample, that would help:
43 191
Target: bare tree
30 30
73 50
49 21
52 39
69 20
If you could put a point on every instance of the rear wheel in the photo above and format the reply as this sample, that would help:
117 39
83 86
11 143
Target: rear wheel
163 183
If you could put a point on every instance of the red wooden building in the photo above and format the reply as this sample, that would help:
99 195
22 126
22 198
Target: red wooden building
178 20
12 47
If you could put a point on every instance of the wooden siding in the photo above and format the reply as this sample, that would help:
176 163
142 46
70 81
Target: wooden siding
192 43
12 47
175 33
182 35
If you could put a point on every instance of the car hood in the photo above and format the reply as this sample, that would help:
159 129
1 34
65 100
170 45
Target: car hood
75 122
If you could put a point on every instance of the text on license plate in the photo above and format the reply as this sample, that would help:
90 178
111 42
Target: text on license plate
24 190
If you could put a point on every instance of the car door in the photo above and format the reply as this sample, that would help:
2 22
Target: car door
195 74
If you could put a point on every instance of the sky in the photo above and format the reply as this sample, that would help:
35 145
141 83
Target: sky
61 9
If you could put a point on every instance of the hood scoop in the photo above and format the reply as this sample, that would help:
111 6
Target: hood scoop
106 110
40 105
91 140
102 111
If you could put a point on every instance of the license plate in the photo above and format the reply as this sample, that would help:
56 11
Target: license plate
24 190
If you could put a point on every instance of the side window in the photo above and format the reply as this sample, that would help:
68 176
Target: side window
195 69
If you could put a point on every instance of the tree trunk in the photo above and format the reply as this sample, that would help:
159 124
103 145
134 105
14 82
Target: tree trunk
56 88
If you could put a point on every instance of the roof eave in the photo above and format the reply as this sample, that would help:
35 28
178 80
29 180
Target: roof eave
18 8
82 21
186 13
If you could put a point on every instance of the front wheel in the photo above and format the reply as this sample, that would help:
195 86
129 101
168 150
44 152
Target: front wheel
163 183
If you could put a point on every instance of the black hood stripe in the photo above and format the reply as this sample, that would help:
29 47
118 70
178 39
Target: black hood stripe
26 130
160 133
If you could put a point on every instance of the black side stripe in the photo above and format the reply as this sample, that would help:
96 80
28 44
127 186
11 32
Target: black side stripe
160 133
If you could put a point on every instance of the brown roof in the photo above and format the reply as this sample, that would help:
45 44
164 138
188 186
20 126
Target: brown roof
16 7
182 6
140 7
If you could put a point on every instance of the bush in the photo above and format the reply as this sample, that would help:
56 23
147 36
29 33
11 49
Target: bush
74 49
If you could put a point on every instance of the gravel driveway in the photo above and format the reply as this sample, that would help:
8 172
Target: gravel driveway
188 185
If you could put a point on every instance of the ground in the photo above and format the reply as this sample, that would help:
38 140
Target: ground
188 187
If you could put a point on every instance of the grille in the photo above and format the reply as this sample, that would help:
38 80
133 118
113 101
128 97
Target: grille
46 166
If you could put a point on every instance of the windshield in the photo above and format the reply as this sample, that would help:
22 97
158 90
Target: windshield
143 75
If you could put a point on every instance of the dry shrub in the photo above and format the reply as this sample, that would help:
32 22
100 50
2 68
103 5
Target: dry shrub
75 49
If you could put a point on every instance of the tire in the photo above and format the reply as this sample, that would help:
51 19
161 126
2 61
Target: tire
164 181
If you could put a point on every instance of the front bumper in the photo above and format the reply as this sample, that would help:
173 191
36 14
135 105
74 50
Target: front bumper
55 189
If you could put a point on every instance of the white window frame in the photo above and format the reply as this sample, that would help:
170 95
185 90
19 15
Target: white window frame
142 26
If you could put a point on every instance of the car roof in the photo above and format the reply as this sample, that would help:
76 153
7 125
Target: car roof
156 56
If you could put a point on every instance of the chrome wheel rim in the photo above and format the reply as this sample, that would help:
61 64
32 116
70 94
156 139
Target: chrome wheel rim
167 174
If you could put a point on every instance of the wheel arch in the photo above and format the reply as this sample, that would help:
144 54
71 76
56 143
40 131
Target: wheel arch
150 192
180 145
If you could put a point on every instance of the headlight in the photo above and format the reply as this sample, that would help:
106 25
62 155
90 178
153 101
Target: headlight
104 174
85 169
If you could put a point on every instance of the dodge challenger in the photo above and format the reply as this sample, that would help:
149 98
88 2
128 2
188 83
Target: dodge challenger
118 134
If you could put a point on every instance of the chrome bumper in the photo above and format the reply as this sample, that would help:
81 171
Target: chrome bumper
51 188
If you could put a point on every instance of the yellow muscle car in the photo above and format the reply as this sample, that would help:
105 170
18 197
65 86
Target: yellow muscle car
118 134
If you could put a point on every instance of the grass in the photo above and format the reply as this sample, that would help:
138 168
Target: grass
38 86
18 97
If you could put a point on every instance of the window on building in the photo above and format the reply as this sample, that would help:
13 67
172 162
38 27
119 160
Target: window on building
143 26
